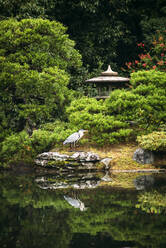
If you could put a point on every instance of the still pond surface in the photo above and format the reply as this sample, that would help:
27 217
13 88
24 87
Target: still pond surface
44 212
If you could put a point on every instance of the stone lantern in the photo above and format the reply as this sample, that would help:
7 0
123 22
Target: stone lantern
107 82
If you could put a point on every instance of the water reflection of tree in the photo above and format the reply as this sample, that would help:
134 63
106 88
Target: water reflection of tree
48 229
38 218
152 202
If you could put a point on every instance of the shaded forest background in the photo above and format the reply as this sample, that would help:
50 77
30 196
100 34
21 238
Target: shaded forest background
104 31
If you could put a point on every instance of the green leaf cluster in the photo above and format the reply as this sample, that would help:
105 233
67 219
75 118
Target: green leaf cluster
155 141
16 147
144 104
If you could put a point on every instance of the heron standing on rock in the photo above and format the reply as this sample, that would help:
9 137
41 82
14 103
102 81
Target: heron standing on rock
73 138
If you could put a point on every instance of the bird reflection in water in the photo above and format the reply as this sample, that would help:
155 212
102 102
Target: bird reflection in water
76 203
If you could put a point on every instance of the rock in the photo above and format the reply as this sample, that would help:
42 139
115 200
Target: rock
142 156
80 156
53 156
85 156
77 161
41 162
106 162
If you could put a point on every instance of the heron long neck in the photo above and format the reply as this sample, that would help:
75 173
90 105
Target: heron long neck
80 134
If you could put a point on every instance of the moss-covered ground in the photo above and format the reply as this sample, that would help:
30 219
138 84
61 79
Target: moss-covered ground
122 156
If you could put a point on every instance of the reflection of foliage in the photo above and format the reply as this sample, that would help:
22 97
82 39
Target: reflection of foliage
46 229
152 202
39 218
22 191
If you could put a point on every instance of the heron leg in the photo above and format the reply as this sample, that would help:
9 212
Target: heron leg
77 143
70 147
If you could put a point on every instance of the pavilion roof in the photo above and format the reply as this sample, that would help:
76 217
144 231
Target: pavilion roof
108 76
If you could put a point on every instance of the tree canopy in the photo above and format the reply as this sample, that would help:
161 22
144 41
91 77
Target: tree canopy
104 31
35 56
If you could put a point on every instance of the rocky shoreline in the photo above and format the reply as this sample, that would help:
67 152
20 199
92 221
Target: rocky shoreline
77 161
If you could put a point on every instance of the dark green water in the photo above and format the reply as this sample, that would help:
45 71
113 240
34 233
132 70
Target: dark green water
32 217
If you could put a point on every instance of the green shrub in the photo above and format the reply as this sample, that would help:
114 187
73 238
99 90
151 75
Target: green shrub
144 104
22 147
58 131
155 141
123 104
88 113
16 146
151 86
41 141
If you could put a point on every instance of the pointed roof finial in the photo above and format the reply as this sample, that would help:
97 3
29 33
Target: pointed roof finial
109 72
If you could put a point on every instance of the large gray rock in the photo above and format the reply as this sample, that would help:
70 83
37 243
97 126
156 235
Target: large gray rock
142 156
77 156
77 161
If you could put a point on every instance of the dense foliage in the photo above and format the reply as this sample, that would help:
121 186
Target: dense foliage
36 56
126 113
21 146
93 115
150 87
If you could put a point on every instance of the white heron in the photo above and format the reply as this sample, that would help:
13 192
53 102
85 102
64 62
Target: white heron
73 138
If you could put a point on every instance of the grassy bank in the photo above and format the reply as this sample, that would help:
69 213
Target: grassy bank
122 156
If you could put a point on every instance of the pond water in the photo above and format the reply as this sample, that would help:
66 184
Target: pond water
42 211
